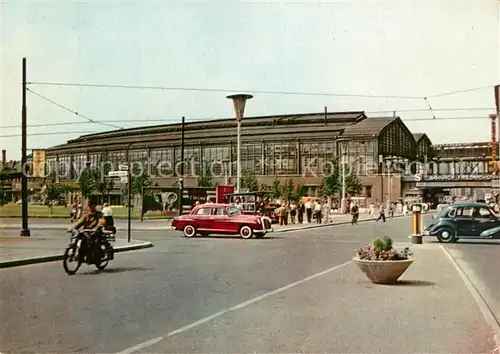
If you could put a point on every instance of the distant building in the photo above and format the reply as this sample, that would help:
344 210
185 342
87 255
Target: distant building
296 146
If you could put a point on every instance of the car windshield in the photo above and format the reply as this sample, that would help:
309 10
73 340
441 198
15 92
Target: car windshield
234 211
443 211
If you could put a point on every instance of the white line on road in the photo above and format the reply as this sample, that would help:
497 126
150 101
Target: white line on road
487 313
153 341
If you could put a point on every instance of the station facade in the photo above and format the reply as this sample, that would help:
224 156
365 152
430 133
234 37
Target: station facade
300 147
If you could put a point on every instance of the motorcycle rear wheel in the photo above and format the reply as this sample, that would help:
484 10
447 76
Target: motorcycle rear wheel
71 254
103 262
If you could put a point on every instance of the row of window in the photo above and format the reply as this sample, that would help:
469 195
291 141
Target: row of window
261 159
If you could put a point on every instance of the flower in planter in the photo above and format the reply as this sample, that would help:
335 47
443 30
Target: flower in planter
381 250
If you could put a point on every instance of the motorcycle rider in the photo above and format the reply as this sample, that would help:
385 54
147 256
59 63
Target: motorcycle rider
94 221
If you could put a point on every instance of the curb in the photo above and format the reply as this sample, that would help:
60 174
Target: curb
485 310
54 258
337 224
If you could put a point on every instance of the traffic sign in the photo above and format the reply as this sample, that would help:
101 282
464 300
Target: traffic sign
118 174
124 180
123 167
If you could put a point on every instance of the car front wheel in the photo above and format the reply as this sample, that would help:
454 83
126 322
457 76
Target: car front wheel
246 232
189 231
446 236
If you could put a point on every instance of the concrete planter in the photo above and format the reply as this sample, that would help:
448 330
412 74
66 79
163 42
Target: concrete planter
383 272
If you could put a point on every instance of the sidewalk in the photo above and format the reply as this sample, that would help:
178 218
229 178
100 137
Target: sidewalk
17 251
157 225
340 311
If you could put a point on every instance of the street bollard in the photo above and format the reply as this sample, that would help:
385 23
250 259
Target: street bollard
416 236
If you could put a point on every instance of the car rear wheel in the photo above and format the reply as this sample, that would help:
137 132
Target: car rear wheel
446 236
246 232
189 231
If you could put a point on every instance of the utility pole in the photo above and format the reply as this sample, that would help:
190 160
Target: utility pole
129 183
343 201
181 178
497 104
24 177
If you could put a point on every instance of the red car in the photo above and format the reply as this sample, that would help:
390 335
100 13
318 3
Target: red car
208 219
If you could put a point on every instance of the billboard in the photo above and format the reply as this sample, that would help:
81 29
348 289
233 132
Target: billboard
223 190
38 164
166 200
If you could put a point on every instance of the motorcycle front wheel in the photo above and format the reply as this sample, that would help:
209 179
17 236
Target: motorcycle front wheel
72 255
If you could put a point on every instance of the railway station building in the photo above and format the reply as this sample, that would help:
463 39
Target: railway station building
299 147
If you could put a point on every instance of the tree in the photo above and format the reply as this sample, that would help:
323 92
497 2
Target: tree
3 198
137 184
332 183
353 185
276 188
266 188
206 178
88 182
249 181
287 189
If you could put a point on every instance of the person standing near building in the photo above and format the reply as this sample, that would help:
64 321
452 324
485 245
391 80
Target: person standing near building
293 212
308 208
317 212
300 213
326 213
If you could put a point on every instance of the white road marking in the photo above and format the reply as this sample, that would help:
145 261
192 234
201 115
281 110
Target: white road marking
476 295
153 341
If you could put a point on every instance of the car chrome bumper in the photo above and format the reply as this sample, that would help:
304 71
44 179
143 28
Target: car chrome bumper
263 231
426 233
173 228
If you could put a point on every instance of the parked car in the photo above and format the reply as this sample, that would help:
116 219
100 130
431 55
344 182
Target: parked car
226 219
465 220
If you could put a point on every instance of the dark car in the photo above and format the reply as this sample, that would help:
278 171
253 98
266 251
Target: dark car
464 220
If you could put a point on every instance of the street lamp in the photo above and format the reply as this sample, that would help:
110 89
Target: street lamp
343 150
239 101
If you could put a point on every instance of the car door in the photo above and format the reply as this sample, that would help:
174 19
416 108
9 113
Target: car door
484 220
464 222
220 219
203 218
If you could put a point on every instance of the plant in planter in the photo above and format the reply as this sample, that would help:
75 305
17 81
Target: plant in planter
381 263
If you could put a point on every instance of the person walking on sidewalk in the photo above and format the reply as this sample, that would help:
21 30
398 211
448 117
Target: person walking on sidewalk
308 206
325 213
355 214
381 212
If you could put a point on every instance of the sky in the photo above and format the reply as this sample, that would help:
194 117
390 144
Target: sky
418 49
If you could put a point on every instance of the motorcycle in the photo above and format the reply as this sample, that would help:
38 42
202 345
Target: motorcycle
82 249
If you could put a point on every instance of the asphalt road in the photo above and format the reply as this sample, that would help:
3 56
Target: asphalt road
145 294
480 260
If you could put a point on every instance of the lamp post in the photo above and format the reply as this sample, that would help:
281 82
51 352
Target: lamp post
343 150
239 101
25 231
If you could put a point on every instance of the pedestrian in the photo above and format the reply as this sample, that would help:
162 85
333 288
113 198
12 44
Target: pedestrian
317 211
300 213
326 213
293 212
107 213
381 212
355 214
308 207
283 213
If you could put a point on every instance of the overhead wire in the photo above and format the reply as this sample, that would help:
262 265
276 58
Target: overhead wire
89 120
165 88
52 133
201 119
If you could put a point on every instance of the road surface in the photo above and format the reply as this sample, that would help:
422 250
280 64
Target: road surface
147 294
